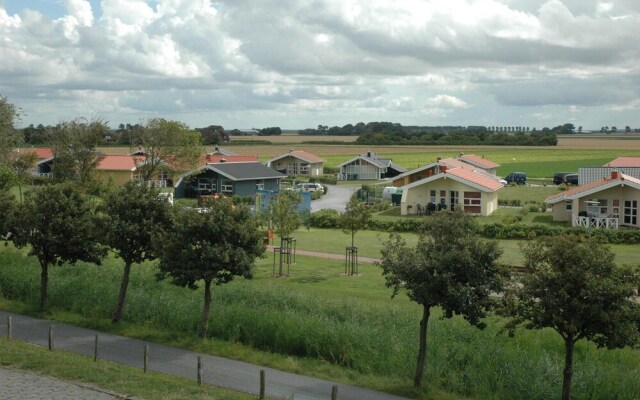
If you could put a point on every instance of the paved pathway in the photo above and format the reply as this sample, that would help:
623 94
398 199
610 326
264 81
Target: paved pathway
336 198
218 371
326 256
22 385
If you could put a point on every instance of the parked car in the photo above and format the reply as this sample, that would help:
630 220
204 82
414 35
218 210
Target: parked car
308 187
571 179
558 177
518 177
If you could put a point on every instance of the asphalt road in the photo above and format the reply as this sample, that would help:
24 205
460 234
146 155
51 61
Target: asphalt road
336 198
218 371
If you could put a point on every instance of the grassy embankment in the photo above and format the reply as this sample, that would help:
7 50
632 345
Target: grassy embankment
116 378
322 323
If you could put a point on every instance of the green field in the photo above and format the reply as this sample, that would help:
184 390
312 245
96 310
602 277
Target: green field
320 322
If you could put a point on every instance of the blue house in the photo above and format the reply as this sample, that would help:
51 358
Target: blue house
235 178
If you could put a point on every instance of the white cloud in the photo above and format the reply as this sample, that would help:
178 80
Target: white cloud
350 59
445 101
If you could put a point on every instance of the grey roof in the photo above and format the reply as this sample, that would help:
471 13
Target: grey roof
238 171
397 167
246 170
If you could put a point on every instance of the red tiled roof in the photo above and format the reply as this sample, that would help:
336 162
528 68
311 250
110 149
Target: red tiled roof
119 163
476 178
625 161
307 156
41 153
480 161
592 185
455 163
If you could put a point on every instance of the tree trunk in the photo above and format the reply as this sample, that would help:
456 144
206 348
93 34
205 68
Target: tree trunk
117 314
422 352
353 238
204 324
44 279
568 368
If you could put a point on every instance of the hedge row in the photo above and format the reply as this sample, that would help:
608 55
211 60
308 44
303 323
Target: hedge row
330 219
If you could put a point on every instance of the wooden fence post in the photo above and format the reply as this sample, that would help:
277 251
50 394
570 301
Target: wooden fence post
334 393
146 357
50 337
9 333
199 370
261 384
95 349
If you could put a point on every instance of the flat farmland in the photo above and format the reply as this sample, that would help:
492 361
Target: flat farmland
537 161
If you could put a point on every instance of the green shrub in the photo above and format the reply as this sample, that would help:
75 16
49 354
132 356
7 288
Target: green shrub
325 218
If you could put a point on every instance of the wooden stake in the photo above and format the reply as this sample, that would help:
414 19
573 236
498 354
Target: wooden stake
261 384
95 349
146 357
334 393
50 337
9 333
199 370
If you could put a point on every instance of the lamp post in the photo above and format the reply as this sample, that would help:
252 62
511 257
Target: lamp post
513 165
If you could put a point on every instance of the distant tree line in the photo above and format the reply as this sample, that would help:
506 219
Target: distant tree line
478 136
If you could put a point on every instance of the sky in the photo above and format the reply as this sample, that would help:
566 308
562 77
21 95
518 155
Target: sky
303 63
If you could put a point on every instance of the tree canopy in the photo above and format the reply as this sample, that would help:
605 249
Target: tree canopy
9 138
59 224
355 217
213 246
167 145
449 267
75 152
136 214
577 290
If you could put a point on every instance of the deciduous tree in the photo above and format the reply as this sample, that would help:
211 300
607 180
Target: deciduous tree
213 247
9 137
577 290
449 267
167 145
59 224
75 151
136 214
355 217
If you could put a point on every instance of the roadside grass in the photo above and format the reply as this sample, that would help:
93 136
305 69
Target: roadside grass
120 379
320 322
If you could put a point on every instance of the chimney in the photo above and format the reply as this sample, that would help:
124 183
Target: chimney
461 154
615 175
216 148
208 157
443 169
290 150
368 154
438 159
223 160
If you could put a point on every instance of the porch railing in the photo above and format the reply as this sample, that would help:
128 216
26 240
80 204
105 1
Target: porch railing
595 222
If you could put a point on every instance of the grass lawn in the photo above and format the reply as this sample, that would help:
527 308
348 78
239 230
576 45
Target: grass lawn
369 243
320 322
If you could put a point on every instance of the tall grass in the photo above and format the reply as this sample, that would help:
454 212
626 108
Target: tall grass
364 331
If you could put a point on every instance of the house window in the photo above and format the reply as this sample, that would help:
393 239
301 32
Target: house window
227 186
304 168
473 202
603 206
453 197
568 206
204 184
137 176
260 184
163 176
432 196
443 197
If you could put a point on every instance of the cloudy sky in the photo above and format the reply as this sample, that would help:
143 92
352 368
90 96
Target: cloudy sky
300 63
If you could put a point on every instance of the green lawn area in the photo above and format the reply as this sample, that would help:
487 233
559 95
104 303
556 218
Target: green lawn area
369 244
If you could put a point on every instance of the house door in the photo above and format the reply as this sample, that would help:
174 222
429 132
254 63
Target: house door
630 216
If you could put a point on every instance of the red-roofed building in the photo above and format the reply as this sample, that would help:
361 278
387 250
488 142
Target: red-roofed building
606 203
471 189
297 162
625 161
468 162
